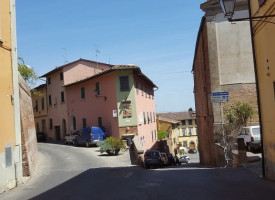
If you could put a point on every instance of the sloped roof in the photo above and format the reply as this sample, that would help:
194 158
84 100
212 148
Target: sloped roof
62 66
168 120
178 115
135 68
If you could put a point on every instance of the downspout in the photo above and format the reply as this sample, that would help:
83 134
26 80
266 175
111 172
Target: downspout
257 85
15 97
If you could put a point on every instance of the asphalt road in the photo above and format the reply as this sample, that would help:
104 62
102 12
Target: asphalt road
66 172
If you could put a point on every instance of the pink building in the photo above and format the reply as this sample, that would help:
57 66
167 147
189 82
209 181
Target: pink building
121 99
56 94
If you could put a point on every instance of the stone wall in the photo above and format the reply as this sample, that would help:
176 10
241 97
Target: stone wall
29 141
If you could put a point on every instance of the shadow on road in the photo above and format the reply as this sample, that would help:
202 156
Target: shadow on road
137 183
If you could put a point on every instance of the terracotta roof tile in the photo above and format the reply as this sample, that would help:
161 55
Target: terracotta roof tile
178 115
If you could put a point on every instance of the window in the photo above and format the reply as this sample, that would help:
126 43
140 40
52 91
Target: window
61 76
124 83
51 123
99 119
144 117
152 136
183 131
62 97
155 134
49 80
190 122
84 122
151 117
154 116
195 121
178 131
37 128
183 122
83 93
97 90
36 105
42 103
190 131
185 143
145 90
137 88
142 90
148 118
50 100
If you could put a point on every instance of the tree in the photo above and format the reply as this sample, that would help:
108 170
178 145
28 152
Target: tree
27 72
161 135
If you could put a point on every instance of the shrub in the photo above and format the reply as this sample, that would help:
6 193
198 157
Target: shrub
111 145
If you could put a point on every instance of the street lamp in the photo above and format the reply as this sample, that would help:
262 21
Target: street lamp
228 7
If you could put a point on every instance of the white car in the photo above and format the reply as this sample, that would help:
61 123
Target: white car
251 136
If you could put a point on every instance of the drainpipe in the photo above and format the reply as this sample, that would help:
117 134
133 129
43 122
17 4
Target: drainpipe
15 98
257 85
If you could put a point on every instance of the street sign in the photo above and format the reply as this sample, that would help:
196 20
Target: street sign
219 97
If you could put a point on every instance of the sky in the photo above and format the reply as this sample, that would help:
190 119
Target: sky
157 35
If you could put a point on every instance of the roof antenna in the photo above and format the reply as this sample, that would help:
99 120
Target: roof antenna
96 54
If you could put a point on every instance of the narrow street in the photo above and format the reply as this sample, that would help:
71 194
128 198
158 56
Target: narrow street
67 172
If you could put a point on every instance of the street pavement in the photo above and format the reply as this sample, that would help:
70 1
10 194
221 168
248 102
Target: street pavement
67 172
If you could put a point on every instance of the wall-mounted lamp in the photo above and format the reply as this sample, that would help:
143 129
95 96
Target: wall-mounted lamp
228 8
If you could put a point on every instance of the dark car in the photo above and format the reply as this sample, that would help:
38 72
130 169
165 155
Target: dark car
171 159
152 158
177 160
41 137
192 151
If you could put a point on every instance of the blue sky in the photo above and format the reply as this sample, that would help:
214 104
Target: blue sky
157 35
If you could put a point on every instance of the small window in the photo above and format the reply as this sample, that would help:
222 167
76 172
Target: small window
99 119
97 90
152 136
144 117
154 116
151 117
50 100
142 90
36 105
42 103
183 122
124 83
37 128
190 122
190 131
83 93
51 123
146 93
183 132
62 97
155 135
61 76
148 118
49 80
84 122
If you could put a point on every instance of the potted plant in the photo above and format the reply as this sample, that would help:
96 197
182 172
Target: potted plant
111 146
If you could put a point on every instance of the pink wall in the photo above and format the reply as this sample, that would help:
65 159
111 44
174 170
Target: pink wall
93 107
81 70
145 104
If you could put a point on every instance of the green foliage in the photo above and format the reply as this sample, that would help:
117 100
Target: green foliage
239 113
27 72
111 145
161 134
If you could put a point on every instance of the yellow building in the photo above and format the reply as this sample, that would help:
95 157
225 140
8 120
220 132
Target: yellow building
184 132
171 128
40 111
10 131
264 45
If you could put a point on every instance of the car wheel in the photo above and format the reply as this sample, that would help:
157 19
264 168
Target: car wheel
248 147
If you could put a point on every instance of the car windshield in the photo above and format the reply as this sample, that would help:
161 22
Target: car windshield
256 131
151 154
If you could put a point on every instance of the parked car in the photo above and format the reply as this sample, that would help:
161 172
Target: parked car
152 158
164 158
90 135
71 138
192 151
177 160
41 137
171 159
183 159
251 136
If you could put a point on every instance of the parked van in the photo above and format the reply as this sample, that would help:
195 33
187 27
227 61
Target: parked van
90 135
251 136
